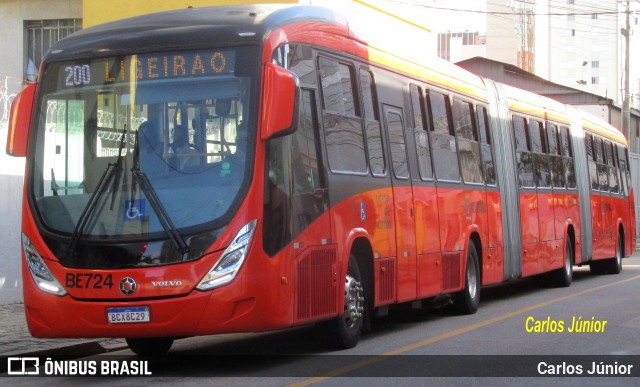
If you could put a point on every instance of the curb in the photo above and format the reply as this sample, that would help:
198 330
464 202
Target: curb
89 348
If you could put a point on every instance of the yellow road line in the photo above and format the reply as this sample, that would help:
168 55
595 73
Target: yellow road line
453 333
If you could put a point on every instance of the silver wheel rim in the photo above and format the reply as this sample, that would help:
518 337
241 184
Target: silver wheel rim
472 279
353 301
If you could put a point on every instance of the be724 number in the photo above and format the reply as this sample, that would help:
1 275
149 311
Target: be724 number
88 280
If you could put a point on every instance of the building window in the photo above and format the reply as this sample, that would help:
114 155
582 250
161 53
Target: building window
595 64
40 35
594 80
594 15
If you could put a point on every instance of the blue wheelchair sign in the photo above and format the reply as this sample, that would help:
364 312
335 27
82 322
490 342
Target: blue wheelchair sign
134 209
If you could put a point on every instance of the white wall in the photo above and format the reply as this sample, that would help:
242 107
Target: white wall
11 178
13 13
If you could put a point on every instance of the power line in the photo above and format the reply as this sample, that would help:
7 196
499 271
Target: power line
516 13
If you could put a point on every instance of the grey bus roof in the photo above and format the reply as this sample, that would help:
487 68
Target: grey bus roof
187 28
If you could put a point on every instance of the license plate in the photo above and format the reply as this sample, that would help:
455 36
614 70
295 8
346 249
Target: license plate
138 314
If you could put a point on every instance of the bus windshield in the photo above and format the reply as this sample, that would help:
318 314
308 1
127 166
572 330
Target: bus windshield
143 146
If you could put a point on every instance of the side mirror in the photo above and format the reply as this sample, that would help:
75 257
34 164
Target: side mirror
280 102
20 122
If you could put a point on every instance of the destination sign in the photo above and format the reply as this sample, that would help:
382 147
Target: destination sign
105 71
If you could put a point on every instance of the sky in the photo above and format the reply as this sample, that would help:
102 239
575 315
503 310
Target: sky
437 15
465 15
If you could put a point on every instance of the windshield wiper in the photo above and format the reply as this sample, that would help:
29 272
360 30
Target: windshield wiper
107 175
151 195
111 172
118 168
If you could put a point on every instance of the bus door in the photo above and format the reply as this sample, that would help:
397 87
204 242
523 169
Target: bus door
528 196
425 201
594 160
607 174
309 196
296 214
543 248
560 198
406 262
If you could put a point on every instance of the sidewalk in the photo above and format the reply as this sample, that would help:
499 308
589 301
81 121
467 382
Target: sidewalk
15 339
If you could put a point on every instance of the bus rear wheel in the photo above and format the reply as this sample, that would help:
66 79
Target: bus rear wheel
150 346
611 265
467 300
344 331
564 276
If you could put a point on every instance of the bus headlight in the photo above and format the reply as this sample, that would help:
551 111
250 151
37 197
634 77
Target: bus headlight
39 270
225 270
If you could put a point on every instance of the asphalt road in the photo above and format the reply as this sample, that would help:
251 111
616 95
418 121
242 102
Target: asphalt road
522 335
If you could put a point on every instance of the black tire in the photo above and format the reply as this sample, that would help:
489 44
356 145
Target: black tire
150 346
611 265
344 331
564 276
467 300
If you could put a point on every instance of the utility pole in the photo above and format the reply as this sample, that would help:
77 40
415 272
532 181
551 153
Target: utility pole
626 93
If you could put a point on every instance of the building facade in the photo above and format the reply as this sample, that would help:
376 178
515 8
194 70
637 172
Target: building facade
457 46
576 43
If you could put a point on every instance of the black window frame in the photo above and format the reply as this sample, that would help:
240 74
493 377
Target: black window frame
437 135
421 132
333 121
486 143
471 172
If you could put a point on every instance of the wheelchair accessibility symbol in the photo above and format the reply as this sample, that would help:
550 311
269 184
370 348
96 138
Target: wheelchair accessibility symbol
134 209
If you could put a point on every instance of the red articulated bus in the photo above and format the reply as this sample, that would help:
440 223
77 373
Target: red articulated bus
252 168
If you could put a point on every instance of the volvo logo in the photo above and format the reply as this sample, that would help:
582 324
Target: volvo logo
127 286
166 283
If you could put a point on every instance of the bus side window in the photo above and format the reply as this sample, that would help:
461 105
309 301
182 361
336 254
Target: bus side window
624 169
524 159
421 135
539 149
555 158
342 125
601 161
614 185
468 144
443 141
567 157
488 166
397 143
372 124
591 160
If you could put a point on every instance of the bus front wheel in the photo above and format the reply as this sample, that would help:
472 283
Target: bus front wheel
150 346
467 300
344 331
564 276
